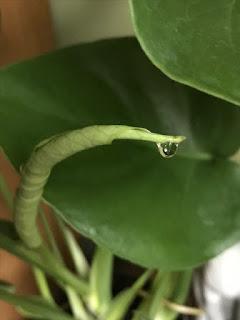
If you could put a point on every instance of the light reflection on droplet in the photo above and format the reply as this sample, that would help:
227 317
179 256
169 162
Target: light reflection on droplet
167 149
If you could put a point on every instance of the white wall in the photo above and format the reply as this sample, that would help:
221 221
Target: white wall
86 20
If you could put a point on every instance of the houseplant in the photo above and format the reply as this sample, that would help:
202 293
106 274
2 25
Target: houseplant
149 210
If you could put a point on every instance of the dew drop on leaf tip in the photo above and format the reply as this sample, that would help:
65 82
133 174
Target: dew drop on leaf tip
167 149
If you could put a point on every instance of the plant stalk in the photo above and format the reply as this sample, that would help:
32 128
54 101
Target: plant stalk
51 151
39 275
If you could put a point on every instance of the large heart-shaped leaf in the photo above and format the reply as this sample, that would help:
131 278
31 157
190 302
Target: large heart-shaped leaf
196 42
172 213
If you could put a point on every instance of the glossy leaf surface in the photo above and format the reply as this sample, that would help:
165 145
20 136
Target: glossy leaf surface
168 213
196 42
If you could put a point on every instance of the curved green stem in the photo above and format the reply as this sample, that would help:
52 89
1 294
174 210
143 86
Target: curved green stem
51 151
43 285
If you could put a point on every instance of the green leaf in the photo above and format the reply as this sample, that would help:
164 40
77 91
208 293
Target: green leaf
169 213
40 258
34 307
194 42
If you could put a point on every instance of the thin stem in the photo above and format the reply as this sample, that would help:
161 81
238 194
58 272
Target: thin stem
43 285
163 287
178 296
179 308
166 297
50 236
77 305
78 257
75 301
120 304
32 306
60 272
51 151
39 275
100 279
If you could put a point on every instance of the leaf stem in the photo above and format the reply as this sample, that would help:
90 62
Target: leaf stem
51 151
100 277
50 237
178 296
39 275
77 255
43 285
74 299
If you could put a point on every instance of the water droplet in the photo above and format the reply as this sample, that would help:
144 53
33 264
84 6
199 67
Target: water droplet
167 149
